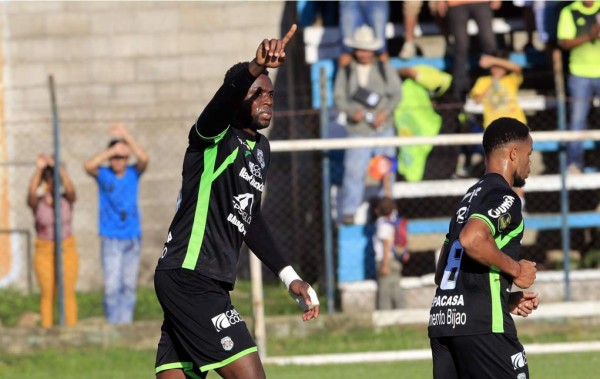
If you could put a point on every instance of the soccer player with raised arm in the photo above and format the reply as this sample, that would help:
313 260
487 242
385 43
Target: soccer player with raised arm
224 172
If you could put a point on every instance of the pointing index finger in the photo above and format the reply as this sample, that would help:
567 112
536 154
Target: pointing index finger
289 34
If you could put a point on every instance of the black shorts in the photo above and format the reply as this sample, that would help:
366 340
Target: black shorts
201 331
494 355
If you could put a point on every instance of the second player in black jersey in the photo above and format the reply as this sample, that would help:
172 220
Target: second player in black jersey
218 209
470 324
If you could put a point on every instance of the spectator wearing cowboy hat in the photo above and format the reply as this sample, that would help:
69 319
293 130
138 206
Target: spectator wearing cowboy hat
366 91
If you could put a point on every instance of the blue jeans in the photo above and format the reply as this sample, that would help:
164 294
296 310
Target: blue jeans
120 264
356 162
581 92
354 14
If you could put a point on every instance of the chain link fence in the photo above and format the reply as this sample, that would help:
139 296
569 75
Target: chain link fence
293 201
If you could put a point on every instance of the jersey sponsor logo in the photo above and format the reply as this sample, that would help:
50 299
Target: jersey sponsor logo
503 221
164 252
472 194
220 322
522 376
451 318
226 319
255 170
503 208
260 156
461 215
443 301
244 202
244 174
240 225
227 343
519 360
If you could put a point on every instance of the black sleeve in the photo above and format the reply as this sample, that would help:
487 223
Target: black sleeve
217 115
260 240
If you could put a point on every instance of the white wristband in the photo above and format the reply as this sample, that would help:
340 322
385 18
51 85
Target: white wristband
288 275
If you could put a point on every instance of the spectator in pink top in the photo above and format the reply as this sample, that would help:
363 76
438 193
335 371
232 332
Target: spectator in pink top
41 202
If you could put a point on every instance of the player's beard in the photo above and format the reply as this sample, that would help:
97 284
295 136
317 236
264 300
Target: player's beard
518 181
258 125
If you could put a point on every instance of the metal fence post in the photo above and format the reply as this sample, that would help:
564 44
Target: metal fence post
57 204
562 156
327 228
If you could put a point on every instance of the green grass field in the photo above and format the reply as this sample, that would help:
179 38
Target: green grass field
277 302
127 364
115 363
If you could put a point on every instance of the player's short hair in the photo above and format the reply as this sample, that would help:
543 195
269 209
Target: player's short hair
237 68
502 131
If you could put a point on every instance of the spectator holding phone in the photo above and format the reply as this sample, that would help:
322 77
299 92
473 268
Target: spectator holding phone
367 91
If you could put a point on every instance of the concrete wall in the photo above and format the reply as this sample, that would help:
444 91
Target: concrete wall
151 65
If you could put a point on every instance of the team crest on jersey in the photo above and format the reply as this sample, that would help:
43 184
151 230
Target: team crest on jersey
227 343
255 170
260 157
503 221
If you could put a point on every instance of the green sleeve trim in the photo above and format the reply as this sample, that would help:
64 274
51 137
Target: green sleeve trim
216 138
486 220
495 289
501 240
202 206
227 361
229 160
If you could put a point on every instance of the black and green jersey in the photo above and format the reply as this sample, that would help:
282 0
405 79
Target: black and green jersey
473 298
223 181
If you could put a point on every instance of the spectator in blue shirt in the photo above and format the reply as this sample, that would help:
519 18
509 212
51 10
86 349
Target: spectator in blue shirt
119 221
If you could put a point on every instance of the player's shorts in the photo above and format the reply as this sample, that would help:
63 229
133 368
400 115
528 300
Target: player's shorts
201 331
494 355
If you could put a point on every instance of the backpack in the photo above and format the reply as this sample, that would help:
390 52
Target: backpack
400 244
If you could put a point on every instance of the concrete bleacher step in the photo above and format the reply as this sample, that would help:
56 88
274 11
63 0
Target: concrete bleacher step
354 241
457 187
325 42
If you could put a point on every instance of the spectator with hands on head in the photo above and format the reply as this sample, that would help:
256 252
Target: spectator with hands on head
41 201
119 220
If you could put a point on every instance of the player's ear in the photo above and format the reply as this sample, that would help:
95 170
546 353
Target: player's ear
514 152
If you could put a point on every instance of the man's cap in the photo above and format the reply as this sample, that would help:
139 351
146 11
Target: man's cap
364 39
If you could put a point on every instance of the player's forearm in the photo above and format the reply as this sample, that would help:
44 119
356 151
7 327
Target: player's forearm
219 112
260 240
483 250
